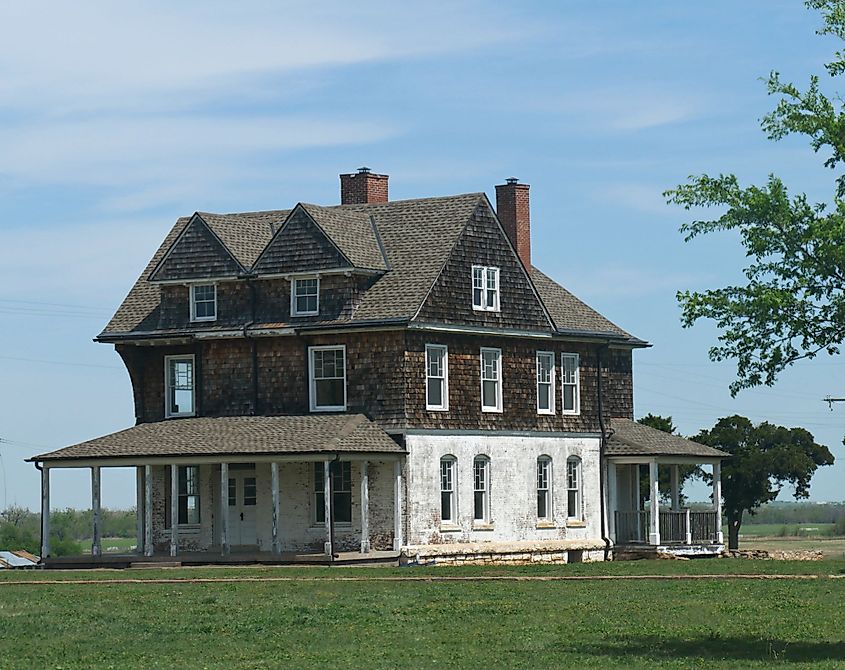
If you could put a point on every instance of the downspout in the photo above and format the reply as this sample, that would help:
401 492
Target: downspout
608 544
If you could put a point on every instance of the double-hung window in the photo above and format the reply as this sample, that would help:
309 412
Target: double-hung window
544 488
341 474
491 380
436 377
203 302
485 288
481 489
327 372
448 512
179 386
305 296
573 487
189 494
570 378
545 382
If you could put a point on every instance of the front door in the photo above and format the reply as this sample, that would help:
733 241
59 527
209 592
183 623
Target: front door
242 499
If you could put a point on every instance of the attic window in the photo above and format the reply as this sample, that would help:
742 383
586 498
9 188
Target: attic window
203 302
305 296
485 288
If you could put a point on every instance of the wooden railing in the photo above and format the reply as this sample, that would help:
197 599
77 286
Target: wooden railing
703 526
676 526
632 526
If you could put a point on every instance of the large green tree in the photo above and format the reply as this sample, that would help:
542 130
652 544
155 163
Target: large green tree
763 459
685 472
791 305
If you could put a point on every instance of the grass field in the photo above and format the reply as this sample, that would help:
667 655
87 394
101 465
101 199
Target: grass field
314 623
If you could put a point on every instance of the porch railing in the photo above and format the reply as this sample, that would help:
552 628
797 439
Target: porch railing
676 526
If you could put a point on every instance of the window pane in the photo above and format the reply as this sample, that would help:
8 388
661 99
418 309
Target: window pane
568 397
544 400
572 503
445 505
479 505
477 297
318 477
329 393
249 491
342 507
233 488
489 398
435 392
542 504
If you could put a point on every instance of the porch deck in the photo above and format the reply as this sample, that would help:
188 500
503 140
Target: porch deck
120 561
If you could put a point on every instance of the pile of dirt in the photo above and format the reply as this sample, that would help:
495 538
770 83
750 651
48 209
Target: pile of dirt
760 554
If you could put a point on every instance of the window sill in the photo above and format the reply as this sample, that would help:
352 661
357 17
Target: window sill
436 409
328 409
482 526
450 528
491 410
189 528
542 413
575 523
299 314
546 525
568 413
180 416
207 319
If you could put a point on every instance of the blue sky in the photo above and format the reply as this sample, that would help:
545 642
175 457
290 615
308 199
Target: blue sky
115 120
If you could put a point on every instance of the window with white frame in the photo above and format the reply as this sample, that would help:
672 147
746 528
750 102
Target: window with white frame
341 474
305 296
189 494
436 377
485 288
179 386
570 378
544 488
545 382
481 488
491 380
203 302
448 511
573 487
327 372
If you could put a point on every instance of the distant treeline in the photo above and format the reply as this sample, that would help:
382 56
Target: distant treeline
69 528
799 512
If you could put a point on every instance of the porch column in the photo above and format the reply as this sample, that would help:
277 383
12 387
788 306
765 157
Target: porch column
174 509
398 540
139 509
611 500
148 510
45 512
717 500
687 526
328 549
654 494
224 508
274 485
365 507
96 540
674 480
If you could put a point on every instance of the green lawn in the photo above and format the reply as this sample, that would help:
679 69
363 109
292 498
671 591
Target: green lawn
717 623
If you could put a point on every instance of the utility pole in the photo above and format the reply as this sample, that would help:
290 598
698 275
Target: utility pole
830 400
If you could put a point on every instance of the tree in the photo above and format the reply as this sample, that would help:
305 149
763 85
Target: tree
685 472
792 305
763 459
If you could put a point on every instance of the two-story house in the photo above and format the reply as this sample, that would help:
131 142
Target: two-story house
378 376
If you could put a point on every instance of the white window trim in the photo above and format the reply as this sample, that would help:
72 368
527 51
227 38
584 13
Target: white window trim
577 358
550 498
487 520
194 317
167 413
483 306
453 521
444 406
579 490
498 407
312 383
293 310
315 524
552 408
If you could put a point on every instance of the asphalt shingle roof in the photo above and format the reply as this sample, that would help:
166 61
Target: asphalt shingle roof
236 435
634 439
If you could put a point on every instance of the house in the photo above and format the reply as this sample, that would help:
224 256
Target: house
383 378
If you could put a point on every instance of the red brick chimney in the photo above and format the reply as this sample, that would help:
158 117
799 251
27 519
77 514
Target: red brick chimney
514 214
363 187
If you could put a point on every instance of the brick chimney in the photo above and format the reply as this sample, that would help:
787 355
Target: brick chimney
514 214
363 187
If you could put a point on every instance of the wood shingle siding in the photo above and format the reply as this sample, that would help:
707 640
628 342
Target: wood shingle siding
197 254
300 246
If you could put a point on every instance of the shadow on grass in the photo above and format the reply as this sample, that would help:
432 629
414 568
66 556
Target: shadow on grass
716 647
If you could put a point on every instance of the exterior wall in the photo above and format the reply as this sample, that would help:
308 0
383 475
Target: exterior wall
299 247
297 529
513 481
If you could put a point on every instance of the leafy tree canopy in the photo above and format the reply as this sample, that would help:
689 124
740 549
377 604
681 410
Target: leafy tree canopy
792 304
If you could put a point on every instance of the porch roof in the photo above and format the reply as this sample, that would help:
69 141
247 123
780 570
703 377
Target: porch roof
630 438
235 435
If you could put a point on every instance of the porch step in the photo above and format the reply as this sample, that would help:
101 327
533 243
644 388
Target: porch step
155 564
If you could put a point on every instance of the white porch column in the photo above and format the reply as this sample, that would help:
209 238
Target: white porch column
148 510
96 540
365 507
674 479
687 526
174 509
139 509
327 505
612 503
654 494
274 486
717 500
45 512
398 539
224 508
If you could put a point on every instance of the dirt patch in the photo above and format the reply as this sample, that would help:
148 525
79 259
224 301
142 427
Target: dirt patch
762 554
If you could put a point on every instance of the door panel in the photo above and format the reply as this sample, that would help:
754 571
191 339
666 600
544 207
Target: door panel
242 502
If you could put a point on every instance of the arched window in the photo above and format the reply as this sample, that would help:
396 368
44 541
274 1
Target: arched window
544 488
448 506
573 488
481 488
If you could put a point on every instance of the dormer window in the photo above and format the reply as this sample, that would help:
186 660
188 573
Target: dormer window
305 296
485 288
203 302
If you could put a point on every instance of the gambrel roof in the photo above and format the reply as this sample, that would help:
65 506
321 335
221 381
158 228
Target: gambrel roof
404 245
